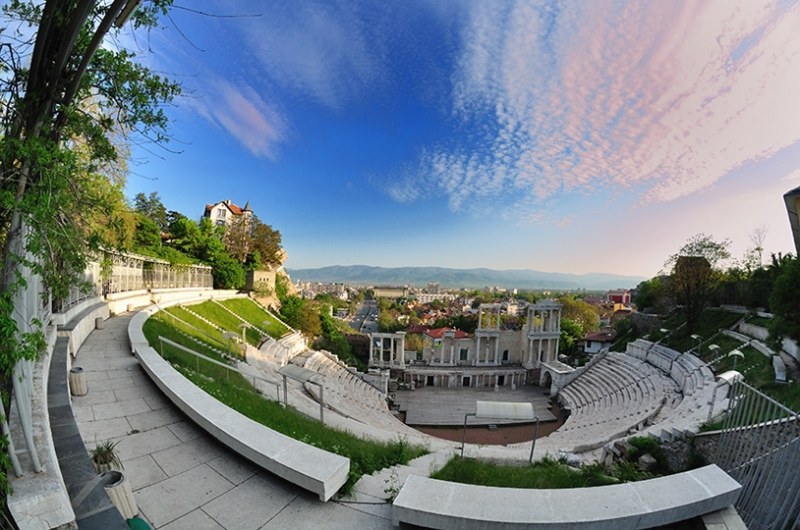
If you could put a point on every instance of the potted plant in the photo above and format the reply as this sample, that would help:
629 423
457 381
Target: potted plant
105 457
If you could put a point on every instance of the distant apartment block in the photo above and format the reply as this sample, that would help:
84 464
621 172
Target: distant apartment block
427 298
390 291
312 289
622 296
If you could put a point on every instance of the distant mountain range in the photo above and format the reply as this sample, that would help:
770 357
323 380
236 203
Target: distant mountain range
462 278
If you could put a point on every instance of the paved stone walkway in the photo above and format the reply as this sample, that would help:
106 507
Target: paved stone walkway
181 477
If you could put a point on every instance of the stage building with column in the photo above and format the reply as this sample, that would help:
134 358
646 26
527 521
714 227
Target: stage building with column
492 356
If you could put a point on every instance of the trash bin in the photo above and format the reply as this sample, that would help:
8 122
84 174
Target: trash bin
77 381
120 492
98 323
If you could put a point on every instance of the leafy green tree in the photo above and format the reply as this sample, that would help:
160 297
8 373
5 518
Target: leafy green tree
571 333
583 313
652 293
785 303
300 314
227 272
60 90
266 241
152 208
148 236
333 339
696 271
185 235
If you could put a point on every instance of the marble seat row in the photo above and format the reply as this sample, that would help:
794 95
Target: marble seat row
687 407
615 395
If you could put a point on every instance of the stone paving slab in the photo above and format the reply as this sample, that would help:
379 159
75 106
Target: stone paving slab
182 478
307 514
104 429
144 471
252 503
194 520
176 496
153 419
233 467
184 456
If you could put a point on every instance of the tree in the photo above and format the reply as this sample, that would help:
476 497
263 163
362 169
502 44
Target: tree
300 314
266 241
237 238
696 272
152 208
61 90
651 293
785 303
581 312
571 333
148 236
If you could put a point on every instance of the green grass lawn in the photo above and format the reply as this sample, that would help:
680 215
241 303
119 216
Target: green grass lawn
711 322
759 321
219 316
544 474
162 324
257 316
229 387
208 332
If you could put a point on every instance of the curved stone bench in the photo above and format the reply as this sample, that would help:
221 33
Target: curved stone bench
306 466
434 503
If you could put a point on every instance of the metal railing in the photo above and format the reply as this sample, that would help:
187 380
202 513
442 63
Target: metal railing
759 446
33 306
229 368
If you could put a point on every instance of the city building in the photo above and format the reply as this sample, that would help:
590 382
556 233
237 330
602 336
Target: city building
621 296
597 341
390 291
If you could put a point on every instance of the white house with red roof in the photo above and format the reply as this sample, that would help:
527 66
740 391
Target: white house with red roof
225 212
597 341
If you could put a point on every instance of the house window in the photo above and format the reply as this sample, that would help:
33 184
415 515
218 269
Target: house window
505 355
221 213
463 354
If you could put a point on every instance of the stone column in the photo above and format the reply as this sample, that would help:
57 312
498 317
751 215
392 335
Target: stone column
478 350
402 350
371 348
496 348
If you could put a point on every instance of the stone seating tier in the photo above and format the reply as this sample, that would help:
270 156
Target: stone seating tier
431 503
310 468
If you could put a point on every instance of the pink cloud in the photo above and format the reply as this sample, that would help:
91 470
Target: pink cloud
665 97
244 114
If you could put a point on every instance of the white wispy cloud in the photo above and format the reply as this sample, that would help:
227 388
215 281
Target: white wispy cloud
320 49
662 97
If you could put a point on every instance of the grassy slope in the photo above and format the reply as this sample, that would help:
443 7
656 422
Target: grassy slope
218 315
366 456
256 315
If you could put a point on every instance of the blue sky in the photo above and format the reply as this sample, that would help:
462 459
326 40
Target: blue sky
578 137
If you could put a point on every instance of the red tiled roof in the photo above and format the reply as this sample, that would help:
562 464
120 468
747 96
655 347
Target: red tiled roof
439 333
235 210
601 336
